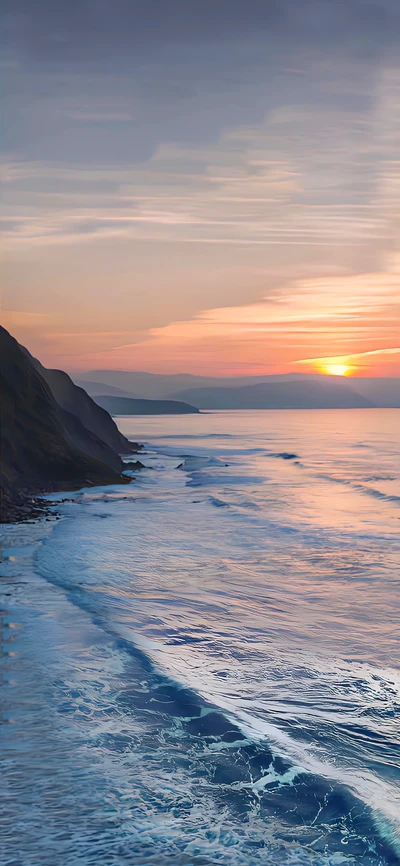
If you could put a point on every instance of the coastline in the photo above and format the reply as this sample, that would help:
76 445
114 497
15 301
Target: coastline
26 504
26 507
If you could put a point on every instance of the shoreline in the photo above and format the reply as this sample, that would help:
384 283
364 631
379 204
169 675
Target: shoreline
26 504
29 511
25 508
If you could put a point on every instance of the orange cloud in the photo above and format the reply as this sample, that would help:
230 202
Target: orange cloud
353 317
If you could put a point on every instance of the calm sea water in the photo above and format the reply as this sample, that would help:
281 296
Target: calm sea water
204 667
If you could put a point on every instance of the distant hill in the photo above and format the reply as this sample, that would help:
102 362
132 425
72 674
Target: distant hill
384 393
325 392
96 389
44 446
131 406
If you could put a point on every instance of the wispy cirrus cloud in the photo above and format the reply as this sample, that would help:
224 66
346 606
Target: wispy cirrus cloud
251 187
305 175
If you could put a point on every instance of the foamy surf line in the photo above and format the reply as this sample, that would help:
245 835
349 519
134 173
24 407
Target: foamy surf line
381 798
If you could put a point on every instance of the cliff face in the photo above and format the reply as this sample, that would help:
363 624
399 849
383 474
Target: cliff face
43 446
76 401
86 441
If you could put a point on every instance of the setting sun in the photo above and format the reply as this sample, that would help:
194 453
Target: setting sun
336 369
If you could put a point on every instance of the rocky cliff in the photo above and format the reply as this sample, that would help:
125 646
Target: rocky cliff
44 446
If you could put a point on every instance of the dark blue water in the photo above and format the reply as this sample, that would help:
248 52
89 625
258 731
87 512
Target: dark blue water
204 667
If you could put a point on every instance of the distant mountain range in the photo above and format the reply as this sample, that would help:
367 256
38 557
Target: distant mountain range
287 391
330 394
131 406
159 386
53 435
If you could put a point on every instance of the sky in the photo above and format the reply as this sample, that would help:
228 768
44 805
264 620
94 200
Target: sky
202 186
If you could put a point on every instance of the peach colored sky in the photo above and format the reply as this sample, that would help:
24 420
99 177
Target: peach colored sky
228 209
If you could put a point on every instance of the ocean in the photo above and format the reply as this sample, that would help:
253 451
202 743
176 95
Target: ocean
204 667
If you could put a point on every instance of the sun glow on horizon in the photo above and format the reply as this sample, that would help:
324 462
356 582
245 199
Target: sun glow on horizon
336 369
